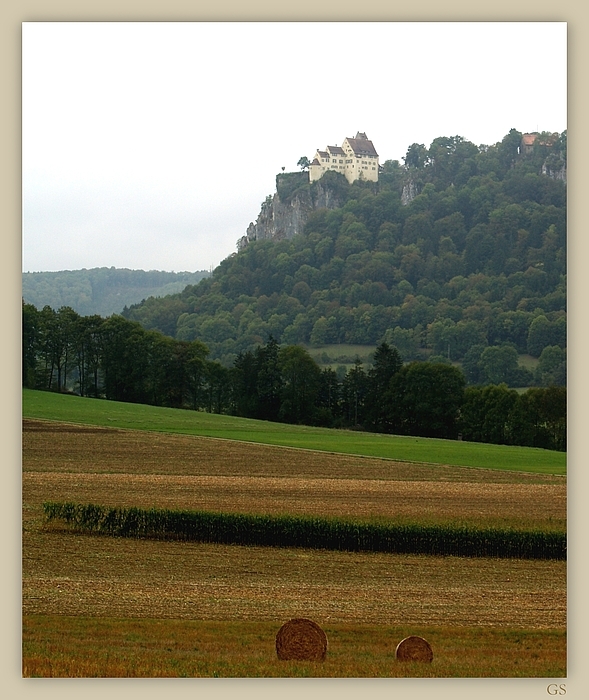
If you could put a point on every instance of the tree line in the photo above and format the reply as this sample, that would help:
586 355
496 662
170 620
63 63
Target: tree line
102 290
117 359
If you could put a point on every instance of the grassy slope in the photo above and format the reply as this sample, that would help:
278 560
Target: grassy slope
75 409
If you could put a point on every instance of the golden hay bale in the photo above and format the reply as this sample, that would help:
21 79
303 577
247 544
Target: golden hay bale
301 640
414 649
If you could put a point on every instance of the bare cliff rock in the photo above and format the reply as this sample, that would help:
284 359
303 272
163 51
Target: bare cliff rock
281 218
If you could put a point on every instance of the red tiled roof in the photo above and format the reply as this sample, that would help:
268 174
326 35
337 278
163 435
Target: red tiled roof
528 139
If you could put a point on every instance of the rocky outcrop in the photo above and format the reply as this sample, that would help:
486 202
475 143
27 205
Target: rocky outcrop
279 219
409 193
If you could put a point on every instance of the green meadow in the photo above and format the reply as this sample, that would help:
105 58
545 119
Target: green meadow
75 409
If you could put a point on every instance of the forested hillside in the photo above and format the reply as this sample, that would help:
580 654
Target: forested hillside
102 290
458 254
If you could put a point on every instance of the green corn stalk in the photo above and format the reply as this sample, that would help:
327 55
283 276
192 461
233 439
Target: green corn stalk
318 533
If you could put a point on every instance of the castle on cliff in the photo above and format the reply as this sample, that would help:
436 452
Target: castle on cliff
357 159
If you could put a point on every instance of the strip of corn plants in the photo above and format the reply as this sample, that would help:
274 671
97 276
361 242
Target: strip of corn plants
315 533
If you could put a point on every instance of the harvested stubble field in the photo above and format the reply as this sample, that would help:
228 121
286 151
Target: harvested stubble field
91 577
134 468
142 647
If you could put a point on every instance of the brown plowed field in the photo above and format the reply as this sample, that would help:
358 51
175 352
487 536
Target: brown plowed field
71 574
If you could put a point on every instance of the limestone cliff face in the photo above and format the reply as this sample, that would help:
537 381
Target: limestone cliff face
409 193
278 220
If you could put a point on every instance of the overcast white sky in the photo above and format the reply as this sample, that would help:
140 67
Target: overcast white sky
152 145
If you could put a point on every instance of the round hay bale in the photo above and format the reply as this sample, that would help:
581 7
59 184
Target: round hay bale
301 640
414 649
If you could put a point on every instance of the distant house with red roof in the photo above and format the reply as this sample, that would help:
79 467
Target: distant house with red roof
528 141
527 144
356 159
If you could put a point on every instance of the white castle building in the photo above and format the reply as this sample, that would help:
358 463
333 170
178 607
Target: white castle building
357 159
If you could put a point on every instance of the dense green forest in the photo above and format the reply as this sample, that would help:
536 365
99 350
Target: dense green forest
102 290
458 255
119 360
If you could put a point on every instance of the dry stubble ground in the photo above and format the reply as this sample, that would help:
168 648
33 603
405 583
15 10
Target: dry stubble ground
98 577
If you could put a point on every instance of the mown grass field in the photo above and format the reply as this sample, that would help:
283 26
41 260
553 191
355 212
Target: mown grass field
106 606
37 404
